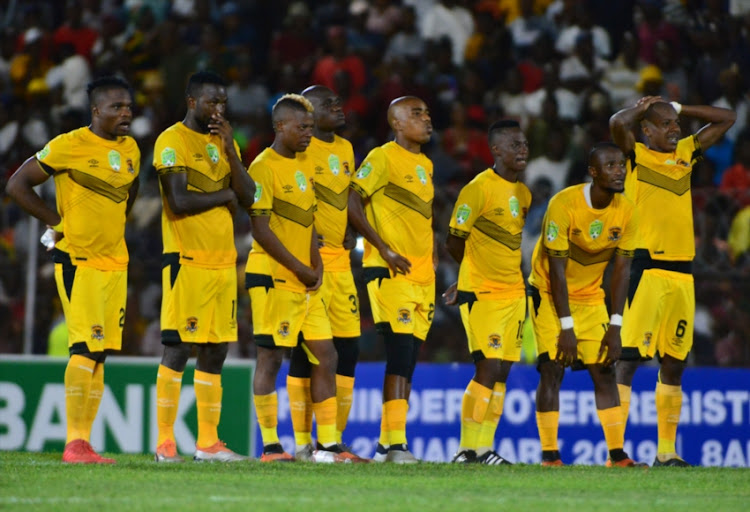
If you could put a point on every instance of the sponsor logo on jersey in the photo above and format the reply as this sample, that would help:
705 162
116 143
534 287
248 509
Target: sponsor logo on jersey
515 207
595 229
168 157
191 324
462 214
93 162
213 152
347 172
129 163
498 211
575 232
334 164
114 160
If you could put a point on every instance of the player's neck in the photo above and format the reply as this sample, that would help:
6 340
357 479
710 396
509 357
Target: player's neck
598 198
101 134
505 173
409 145
325 136
192 123
282 150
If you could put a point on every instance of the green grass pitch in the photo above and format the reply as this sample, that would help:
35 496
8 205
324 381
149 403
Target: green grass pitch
39 481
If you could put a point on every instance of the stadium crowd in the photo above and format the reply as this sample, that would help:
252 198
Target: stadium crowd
561 68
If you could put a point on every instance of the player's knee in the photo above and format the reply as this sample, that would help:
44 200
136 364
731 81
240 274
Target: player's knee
671 371
211 357
399 354
299 365
550 375
625 370
414 357
348 351
175 356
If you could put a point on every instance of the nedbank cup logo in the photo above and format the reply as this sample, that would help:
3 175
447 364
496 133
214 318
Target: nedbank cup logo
213 152
462 214
299 177
168 157
41 155
422 175
114 160
334 164
515 209
258 192
595 229
364 171
552 231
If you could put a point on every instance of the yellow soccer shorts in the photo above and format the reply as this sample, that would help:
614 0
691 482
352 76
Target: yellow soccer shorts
407 307
590 324
93 303
659 318
280 315
339 294
198 305
494 328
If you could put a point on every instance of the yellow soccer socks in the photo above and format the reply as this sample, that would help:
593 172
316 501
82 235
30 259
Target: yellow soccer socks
325 418
668 407
168 385
473 410
300 405
208 401
96 391
395 420
491 419
266 409
79 375
344 396
548 423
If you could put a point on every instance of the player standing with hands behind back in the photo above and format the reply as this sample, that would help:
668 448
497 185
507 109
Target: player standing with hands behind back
659 315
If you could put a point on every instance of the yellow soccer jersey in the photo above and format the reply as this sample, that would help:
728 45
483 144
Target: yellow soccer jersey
333 163
659 185
398 184
92 180
588 237
284 191
204 239
489 214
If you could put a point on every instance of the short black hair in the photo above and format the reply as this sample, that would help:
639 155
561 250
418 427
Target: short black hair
200 78
106 83
601 146
501 125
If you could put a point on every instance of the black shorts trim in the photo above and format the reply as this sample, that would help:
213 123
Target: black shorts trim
68 270
257 281
632 354
171 260
477 356
170 337
81 348
466 298
372 273
265 341
642 260
536 297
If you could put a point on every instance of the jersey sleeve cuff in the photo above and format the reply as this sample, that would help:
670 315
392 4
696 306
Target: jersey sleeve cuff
556 254
359 190
458 233
260 212
178 169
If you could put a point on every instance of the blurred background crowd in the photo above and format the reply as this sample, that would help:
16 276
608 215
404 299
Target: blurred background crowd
560 67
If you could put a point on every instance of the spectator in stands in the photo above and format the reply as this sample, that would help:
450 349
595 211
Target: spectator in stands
736 179
449 19
620 78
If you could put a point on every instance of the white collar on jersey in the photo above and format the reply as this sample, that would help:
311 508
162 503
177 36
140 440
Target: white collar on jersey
587 194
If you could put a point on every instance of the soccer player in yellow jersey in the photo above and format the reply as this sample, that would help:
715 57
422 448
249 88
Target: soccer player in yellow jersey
286 248
390 205
584 228
96 176
485 239
332 159
660 312
202 178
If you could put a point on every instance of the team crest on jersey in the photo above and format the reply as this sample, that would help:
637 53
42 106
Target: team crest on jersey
647 339
41 155
422 175
495 341
595 229
515 207
191 324
283 329
364 171
168 157
299 177
575 232
347 172
462 214
213 152
334 164
114 160
552 231
404 316
97 332
129 163
683 163
258 192
614 234
524 212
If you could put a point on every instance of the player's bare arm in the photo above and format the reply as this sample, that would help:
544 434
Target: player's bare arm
186 202
357 218
611 346
21 189
719 121
567 344
273 246
242 185
621 124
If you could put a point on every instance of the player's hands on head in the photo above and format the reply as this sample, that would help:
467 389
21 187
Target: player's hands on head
451 294
611 347
397 263
567 347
